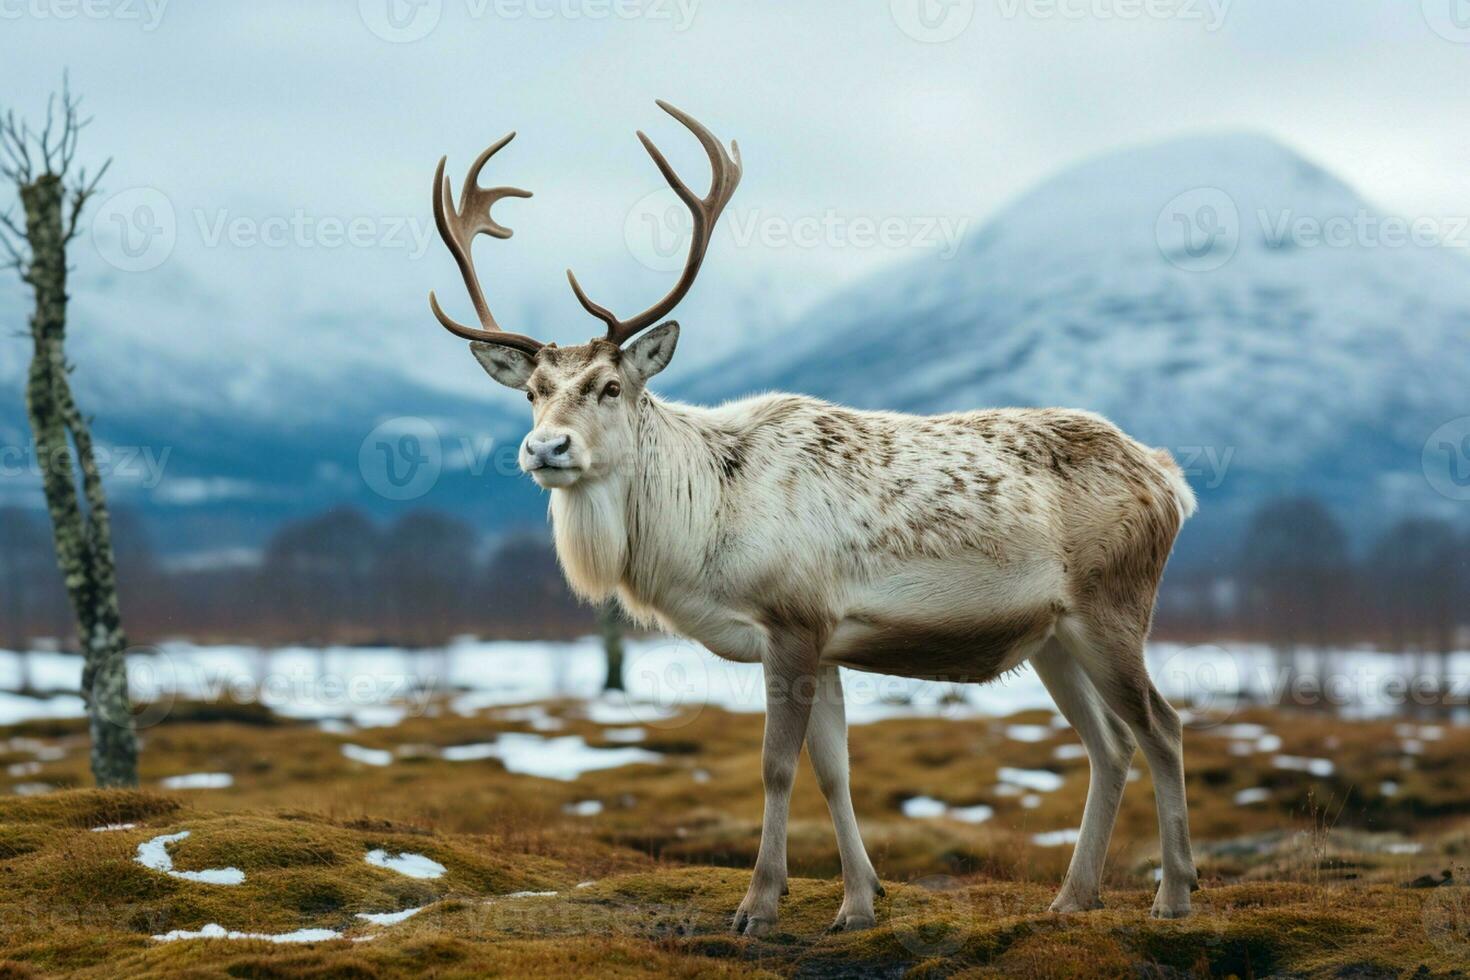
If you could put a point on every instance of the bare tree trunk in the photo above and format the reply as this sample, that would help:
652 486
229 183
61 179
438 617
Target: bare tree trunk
79 519
610 619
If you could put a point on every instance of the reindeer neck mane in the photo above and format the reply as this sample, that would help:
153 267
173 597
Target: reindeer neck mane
638 530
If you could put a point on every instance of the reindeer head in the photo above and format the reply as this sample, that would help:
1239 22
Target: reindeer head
583 398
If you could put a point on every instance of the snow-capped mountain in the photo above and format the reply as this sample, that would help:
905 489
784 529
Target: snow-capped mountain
1217 294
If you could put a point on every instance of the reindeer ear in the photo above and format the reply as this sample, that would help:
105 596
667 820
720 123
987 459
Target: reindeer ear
651 353
507 365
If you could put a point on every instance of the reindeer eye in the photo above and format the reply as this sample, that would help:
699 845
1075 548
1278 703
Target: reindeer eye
530 396
612 390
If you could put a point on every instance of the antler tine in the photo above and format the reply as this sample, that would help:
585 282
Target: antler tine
459 229
725 177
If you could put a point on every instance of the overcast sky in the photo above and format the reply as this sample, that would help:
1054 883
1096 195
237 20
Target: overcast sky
274 130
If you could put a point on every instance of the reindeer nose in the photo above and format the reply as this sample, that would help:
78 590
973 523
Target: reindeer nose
548 449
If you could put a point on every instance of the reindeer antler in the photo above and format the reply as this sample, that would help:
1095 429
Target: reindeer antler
458 227
706 211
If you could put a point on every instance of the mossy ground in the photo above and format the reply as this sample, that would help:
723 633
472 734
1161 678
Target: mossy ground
1311 880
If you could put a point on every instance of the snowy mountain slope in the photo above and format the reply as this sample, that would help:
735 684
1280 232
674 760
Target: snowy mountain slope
1269 361
215 451
1312 364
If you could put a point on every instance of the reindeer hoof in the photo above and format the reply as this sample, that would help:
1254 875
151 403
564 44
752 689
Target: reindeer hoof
746 924
1170 913
852 923
1067 904
1172 900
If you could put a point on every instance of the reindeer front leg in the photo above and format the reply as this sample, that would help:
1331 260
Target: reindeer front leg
790 686
826 746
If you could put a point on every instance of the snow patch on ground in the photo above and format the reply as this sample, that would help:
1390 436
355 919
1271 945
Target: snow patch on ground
562 758
1252 796
154 854
367 756
216 931
923 807
199 780
113 826
1040 780
928 808
1295 763
389 918
346 689
412 865
583 808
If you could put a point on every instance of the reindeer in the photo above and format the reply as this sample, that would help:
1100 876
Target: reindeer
784 531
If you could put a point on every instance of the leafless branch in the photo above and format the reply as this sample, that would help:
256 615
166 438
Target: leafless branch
53 150
10 237
15 140
72 126
80 192
8 223
46 131
54 146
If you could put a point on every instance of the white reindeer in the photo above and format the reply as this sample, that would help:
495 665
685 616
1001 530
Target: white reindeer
802 536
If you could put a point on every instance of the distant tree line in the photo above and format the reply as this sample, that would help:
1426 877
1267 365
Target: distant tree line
334 578
1293 582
